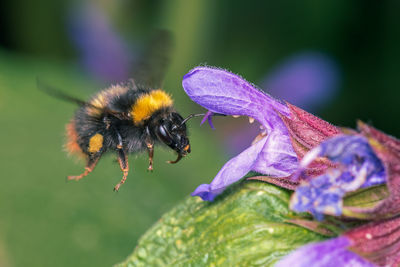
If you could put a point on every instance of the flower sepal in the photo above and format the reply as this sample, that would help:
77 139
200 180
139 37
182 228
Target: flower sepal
377 241
307 131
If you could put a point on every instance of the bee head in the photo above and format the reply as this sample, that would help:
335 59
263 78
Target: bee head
170 130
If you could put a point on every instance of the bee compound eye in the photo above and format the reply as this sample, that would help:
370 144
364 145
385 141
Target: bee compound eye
163 134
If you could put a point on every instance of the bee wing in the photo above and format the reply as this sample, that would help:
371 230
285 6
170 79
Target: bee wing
151 69
56 93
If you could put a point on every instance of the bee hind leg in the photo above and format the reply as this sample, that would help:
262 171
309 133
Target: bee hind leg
123 163
150 148
91 163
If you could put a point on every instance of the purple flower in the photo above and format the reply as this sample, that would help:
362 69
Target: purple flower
321 163
331 253
103 52
358 167
221 91
333 164
306 79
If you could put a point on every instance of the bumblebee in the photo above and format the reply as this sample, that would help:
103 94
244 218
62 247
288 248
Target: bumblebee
129 117
125 119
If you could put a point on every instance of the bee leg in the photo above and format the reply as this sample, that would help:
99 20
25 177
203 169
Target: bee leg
150 148
91 163
123 163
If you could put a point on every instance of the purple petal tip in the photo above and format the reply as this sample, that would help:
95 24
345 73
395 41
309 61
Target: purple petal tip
204 191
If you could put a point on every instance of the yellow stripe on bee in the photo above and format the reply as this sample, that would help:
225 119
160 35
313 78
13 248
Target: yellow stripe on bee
101 99
95 143
147 104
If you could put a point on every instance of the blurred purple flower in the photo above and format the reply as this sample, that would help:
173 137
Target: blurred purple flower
223 92
308 80
102 50
359 167
331 253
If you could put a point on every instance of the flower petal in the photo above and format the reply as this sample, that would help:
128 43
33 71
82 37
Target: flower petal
223 92
231 172
264 156
330 253
276 158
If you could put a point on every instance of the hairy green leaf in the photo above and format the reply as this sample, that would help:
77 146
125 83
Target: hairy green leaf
243 227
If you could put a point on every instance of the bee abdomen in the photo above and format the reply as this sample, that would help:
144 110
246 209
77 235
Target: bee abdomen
71 145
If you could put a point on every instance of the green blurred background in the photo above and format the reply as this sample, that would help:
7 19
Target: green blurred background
45 221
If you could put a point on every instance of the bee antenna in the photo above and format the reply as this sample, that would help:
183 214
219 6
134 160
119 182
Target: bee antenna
192 116
198 115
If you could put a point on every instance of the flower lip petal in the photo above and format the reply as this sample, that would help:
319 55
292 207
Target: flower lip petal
231 172
255 158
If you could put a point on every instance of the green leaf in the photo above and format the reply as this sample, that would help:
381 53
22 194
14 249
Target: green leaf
243 227
368 197
357 203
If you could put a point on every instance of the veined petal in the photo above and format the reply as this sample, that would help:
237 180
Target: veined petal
276 158
330 253
223 92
